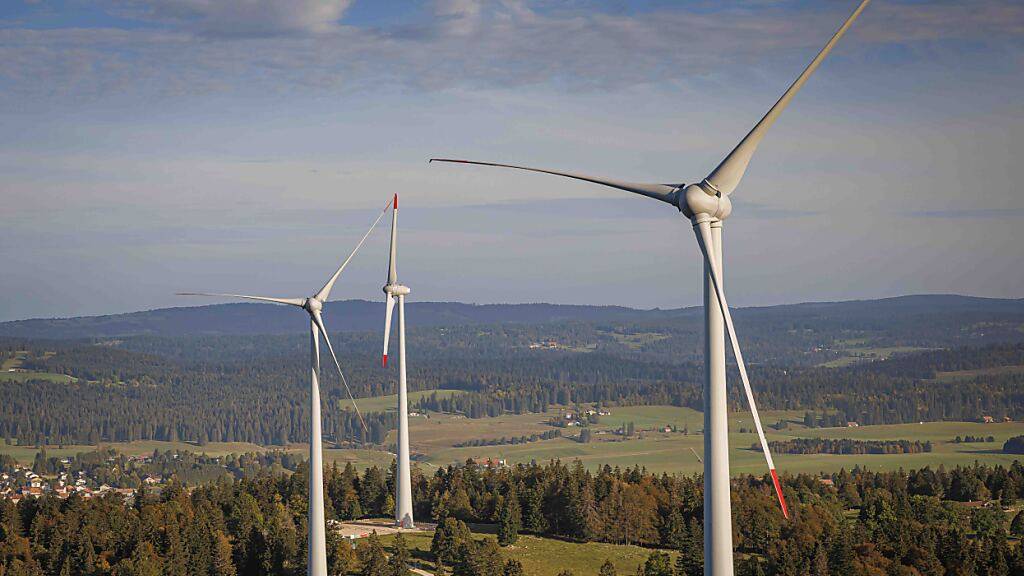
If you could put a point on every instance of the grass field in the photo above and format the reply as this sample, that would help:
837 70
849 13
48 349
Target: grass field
545 556
972 374
28 376
854 354
671 452
433 439
390 403
15 361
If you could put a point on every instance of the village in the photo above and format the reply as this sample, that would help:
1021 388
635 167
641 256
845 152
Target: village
18 482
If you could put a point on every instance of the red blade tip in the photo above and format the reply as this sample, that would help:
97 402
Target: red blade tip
396 202
384 360
778 492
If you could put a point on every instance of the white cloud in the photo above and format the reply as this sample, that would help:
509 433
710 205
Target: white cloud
259 46
242 18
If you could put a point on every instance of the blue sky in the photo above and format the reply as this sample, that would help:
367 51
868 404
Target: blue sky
152 147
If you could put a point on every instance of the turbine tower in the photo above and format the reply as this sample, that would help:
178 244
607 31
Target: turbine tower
317 558
707 205
393 290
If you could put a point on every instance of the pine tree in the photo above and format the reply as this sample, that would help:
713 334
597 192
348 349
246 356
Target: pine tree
1017 526
607 569
673 531
512 568
398 564
372 558
449 537
533 512
691 554
658 564
509 519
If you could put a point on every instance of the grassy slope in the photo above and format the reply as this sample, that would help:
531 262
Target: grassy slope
390 403
546 556
659 452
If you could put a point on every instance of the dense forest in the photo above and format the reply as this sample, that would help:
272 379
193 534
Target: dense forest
859 523
171 379
846 446
232 389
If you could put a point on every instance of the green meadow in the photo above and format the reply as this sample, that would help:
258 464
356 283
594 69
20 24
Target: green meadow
434 437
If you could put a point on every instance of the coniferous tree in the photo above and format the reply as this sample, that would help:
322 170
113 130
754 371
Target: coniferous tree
691 556
509 519
398 564
449 537
658 564
1017 526
372 559
533 511
513 568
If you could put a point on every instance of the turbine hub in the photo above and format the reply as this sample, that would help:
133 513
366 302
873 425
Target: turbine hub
313 305
703 199
396 290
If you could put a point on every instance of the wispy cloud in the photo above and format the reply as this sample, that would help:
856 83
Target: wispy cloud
194 47
239 18
971 214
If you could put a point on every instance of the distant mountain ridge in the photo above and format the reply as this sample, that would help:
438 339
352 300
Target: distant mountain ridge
363 315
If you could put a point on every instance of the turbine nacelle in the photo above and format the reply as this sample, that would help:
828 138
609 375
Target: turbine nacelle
312 305
697 199
396 290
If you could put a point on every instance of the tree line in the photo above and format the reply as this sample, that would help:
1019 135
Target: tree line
846 446
861 523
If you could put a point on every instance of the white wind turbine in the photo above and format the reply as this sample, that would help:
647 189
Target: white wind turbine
392 290
317 558
707 205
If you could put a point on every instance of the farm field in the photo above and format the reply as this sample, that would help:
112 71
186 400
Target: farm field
14 363
390 403
433 439
671 452
857 354
29 376
971 374
545 556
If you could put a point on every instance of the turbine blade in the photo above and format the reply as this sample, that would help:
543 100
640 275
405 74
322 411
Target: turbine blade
728 174
663 192
325 292
293 301
393 259
387 327
318 319
704 239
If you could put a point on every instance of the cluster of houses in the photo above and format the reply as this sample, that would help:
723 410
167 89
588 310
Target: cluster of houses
19 483
991 420
544 344
575 418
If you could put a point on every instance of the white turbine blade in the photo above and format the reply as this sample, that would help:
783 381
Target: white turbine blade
393 258
323 330
663 192
293 301
728 174
387 327
325 292
705 241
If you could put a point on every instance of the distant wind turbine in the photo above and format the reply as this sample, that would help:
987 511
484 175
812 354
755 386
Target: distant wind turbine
707 205
393 290
317 559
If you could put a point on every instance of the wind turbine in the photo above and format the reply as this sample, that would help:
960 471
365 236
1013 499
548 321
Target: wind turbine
317 558
393 290
707 205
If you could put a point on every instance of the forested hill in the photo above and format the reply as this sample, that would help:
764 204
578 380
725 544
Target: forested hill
362 315
342 316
